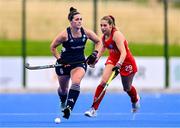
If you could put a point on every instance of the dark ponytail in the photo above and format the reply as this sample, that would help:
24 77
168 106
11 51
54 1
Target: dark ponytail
72 12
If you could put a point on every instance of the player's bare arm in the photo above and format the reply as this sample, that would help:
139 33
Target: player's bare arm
102 50
92 36
119 40
56 42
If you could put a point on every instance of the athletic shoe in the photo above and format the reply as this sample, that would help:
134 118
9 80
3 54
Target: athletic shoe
136 105
91 112
67 112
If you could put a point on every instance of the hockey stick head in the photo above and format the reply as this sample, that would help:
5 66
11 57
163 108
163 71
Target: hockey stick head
27 65
39 67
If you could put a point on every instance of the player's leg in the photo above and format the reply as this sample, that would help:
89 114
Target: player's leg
76 76
105 76
131 91
92 112
63 89
63 78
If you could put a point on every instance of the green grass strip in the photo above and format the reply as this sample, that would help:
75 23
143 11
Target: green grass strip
42 48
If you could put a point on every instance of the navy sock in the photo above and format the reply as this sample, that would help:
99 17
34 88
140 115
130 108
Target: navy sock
72 96
62 96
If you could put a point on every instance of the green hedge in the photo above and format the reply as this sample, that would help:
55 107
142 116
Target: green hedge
42 48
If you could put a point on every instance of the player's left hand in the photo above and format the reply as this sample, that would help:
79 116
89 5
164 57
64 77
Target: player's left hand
117 68
92 58
93 65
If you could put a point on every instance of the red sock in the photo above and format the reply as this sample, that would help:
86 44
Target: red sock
133 94
98 92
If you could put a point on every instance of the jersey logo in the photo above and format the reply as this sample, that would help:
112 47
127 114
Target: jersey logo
110 46
71 41
61 71
84 38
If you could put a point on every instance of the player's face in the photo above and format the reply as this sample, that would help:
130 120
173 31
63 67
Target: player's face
77 21
105 27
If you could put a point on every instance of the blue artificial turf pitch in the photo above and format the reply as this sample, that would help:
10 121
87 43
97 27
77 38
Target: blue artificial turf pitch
40 110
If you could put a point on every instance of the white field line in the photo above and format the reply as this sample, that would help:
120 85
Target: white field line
114 114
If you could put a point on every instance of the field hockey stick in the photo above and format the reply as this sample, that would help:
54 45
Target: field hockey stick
28 66
113 75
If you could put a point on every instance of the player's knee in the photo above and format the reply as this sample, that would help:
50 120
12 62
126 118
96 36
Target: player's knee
76 80
64 90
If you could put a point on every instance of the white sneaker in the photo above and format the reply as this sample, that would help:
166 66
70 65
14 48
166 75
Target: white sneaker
91 112
136 106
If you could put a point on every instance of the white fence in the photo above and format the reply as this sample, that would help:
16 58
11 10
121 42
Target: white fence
151 73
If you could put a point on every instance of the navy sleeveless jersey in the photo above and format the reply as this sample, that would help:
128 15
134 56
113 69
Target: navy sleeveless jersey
73 48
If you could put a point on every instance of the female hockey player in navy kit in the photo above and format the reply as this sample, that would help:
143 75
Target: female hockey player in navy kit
73 40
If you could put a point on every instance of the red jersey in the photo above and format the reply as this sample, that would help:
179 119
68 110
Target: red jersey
129 65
